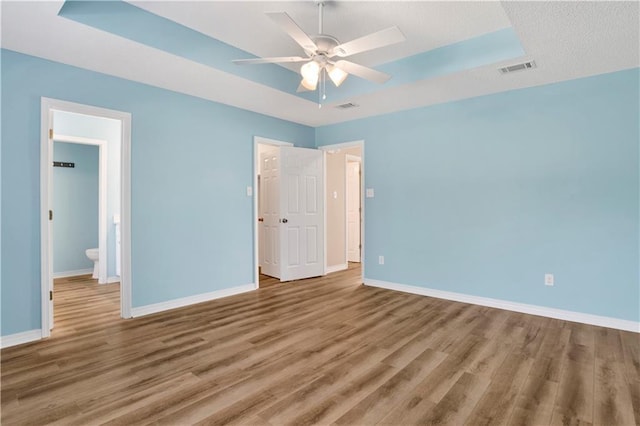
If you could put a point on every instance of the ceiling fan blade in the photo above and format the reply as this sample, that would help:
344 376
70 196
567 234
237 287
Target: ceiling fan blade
362 71
295 32
281 59
386 37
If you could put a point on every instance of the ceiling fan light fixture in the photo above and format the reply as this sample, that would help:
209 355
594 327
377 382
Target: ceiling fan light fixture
310 73
309 85
322 47
336 75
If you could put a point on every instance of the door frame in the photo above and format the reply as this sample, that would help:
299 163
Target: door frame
259 140
345 145
102 196
349 158
47 106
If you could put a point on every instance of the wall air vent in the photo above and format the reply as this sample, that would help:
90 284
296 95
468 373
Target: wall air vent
518 67
347 105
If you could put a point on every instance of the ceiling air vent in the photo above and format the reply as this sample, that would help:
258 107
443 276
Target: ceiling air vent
347 105
518 67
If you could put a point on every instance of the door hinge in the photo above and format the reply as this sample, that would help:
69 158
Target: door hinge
50 133
50 214
50 295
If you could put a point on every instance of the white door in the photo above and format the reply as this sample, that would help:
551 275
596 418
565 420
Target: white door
301 213
269 202
353 211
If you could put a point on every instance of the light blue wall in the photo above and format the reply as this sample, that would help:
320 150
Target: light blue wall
75 206
1 139
69 124
486 195
481 196
191 163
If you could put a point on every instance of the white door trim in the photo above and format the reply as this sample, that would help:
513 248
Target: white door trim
259 140
344 145
102 197
47 105
349 158
326 268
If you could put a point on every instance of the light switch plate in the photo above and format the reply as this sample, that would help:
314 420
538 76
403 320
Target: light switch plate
249 191
370 193
548 279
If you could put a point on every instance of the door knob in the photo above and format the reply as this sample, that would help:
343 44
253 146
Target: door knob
284 220
260 219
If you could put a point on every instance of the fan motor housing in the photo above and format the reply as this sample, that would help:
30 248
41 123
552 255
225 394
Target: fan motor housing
325 43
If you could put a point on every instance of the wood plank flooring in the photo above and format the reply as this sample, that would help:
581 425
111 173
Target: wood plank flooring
81 303
320 351
267 281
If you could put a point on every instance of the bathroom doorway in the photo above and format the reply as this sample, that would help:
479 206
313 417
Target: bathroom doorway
85 187
80 187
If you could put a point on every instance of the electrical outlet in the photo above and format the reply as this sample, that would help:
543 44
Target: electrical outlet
381 260
548 279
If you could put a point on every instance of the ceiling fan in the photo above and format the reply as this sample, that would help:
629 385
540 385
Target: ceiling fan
321 50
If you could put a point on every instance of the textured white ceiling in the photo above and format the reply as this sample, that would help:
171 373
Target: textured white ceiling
566 39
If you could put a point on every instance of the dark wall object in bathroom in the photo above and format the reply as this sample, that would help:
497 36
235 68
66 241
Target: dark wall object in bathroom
63 164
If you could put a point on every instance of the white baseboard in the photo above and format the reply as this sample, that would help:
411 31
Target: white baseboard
20 338
111 280
191 300
336 268
542 311
75 273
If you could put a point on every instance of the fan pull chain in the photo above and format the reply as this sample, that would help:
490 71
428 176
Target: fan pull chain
322 94
320 91
324 84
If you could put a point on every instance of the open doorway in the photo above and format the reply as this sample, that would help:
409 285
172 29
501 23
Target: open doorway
289 233
86 226
345 206
77 195
267 252
85 187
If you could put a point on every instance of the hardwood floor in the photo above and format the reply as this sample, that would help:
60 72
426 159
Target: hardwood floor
81 303
319 351
267 281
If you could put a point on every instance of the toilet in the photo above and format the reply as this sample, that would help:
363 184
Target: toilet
92 254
